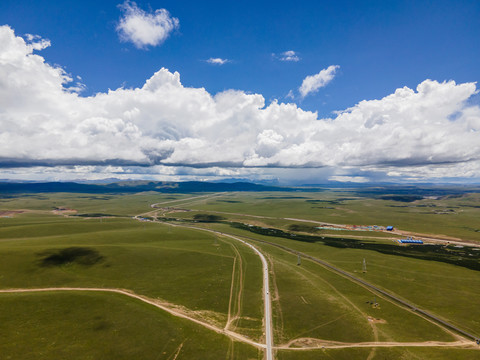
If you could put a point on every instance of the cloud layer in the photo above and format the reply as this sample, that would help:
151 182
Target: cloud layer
431 131
312 83
145 29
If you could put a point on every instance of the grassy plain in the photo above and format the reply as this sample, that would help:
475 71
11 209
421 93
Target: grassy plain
327 306
444 289
150 259
188 268
450 216
61 325
315 302
219 280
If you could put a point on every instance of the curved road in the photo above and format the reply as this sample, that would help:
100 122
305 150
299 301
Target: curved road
266 287
266 284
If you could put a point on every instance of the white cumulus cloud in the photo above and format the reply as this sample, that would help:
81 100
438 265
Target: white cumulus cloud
217 61
145 29
312 83
289 55
427 132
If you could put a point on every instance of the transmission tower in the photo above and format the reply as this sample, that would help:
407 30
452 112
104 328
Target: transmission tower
364 267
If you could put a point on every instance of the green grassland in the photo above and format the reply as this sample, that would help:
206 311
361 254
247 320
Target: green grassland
218 279
451 216
311 297
185 267
120 205
145 260
444 289
60 325
310 228
323 305
246 298
315 302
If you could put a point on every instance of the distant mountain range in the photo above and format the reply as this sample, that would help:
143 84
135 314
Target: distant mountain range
413 192
134 187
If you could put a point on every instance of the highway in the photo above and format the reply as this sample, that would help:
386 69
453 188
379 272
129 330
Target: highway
266 284
266 287
266 294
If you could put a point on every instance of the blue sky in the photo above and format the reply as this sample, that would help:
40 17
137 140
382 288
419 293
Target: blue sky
367 49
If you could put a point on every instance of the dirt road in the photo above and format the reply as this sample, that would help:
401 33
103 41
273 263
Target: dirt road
157 303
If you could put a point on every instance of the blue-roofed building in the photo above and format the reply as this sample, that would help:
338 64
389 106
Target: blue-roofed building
410 240
389 228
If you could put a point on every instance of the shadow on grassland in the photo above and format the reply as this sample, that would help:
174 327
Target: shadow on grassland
72 255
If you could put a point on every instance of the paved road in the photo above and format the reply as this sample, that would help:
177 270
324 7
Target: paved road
190 198
266 287
180 200
266 294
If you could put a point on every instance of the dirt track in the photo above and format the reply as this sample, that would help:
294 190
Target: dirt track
317 343
157 303
308 343
238 303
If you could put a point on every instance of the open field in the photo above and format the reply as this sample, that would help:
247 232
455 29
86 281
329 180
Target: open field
324 305
81 325
450 288
217 281
149 259
449 216
123 205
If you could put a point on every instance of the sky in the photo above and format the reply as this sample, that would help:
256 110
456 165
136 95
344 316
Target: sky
285 92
